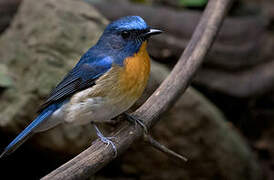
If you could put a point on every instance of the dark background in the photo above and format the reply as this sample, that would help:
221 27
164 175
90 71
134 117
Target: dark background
233 141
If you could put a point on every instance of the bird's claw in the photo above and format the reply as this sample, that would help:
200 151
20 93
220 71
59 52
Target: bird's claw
137 121
106 140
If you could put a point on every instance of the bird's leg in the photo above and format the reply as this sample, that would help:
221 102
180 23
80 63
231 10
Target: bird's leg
137 121
106 140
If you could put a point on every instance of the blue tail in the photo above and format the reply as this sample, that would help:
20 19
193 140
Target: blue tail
28 131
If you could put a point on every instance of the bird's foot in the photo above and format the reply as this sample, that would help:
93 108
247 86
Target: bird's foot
106 140
137 121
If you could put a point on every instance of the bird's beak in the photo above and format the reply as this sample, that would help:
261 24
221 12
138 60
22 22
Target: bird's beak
151 32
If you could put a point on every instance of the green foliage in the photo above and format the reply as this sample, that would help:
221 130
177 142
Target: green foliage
193 3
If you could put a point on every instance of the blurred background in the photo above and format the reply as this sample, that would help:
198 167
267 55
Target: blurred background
223 123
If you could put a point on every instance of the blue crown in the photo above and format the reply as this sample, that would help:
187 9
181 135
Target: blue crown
128 23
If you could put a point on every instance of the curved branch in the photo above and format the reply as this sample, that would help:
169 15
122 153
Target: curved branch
98 155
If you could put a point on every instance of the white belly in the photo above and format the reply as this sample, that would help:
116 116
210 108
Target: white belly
95 109
113 93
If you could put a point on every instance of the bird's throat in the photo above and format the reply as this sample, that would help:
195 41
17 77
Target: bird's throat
136 72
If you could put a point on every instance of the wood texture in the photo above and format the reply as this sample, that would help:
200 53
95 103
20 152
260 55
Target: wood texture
98 155
231 49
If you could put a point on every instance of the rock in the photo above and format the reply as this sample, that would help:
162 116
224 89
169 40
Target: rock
195 128
43 42
46 39
237 56
233 46
5 79
7 10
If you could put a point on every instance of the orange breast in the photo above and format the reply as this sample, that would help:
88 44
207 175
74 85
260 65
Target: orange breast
120 87
123 85
134 77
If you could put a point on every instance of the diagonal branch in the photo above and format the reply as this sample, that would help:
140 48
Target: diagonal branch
98 155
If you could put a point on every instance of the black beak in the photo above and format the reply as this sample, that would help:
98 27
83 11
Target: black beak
151 32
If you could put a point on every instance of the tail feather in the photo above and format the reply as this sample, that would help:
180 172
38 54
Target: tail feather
27 132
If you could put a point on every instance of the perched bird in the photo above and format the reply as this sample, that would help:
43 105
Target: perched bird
107 81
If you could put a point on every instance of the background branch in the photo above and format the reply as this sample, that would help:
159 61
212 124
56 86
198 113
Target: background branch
248 33
98 155
227 60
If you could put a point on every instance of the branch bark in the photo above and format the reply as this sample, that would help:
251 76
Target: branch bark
98 155
248 34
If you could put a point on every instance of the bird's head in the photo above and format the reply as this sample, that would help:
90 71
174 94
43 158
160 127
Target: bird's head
125 36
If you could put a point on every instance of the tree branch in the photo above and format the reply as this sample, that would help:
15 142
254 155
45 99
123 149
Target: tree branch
248 34
152 142
98 155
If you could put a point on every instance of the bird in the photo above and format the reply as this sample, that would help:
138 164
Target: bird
107 80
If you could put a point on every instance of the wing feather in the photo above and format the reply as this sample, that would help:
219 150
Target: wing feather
82 76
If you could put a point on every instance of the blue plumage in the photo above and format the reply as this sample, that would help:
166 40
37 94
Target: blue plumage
111 48
128 23
82 76
120 40
27 132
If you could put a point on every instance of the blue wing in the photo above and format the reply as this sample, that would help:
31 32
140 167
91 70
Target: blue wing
82 76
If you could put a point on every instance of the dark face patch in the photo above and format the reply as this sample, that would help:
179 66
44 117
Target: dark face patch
133 34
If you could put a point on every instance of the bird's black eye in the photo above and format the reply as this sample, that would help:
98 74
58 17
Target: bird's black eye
125 34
